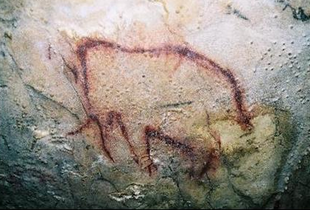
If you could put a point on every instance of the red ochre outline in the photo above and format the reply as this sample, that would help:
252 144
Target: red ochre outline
114 118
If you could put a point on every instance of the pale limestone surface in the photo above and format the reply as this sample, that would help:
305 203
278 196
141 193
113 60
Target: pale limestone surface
265 43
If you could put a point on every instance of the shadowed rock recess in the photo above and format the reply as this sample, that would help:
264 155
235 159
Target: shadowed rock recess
154 104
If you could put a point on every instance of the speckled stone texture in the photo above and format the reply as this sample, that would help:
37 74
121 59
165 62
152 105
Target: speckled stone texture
154 104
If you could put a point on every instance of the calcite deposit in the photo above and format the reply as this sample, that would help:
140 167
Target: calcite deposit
154 104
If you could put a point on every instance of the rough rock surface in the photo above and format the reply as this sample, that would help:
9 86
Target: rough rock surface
154 104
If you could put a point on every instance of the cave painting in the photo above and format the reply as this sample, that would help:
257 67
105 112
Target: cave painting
100 62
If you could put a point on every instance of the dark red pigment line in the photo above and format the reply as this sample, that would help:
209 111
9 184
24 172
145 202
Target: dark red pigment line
212 160
115 117
243 116
211 163
82 127
73 69
151 133
102 135
49 51
105 128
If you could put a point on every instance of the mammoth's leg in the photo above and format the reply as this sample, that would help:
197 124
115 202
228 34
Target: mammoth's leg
115 118
151 133
103 136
